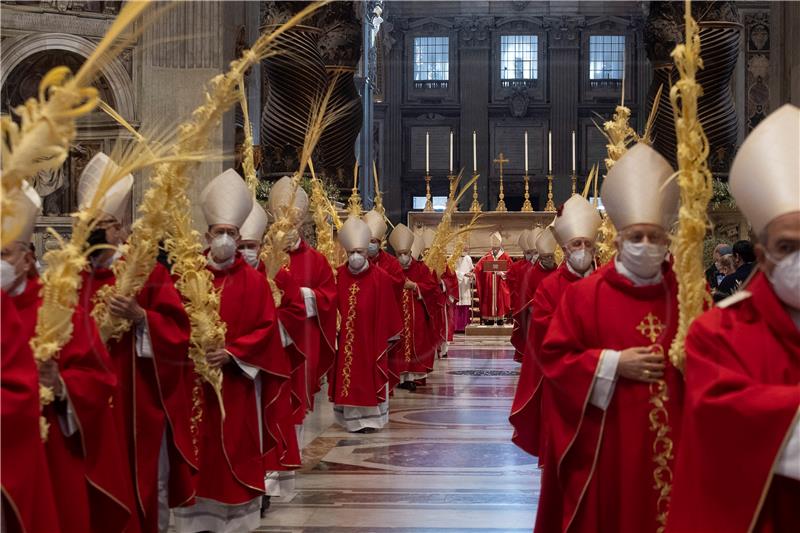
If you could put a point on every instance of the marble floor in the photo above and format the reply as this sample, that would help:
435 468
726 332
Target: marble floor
444 463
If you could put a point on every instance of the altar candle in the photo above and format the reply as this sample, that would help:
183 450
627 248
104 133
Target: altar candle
573 151
526 152
451 151
474 152
427 154
549 152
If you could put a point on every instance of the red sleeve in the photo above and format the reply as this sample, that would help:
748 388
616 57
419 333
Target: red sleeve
543 306
167 320
729 415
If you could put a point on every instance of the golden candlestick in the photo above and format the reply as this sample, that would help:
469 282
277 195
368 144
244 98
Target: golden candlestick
475 207
550 206
452 179
574 181
501 203
428 198
526 205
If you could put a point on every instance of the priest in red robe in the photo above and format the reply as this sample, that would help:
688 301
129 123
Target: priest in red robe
254 368
494 299
311 270
286 412
450 288
155 376
606 367
360 380
545 265
519 308
738 467
28 504
575 229
412 358
380 257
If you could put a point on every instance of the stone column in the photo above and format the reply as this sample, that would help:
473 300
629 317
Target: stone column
474 73
564 75
391 180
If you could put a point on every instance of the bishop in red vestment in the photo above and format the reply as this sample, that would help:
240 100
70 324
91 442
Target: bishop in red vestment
516 273
27 496
738 467
413 357
360 384
235 452
494 298
604 359
450 287
155 377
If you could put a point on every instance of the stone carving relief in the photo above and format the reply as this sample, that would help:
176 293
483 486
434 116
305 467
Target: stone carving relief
565 31
475 31
518 101
757 70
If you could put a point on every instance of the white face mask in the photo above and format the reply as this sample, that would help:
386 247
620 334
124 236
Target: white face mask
643 258
534 257
356 261
785 279
222 247
250 255
373 249
404 259
580 260
8 274
548 262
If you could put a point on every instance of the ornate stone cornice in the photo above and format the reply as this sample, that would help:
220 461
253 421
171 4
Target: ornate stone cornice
475 32
565 31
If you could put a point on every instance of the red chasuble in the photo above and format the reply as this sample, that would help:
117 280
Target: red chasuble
232 464
742 396
28 503
526 415
155 394
526 289
451 297
391 266
417 347
368 325
309 268
608 488
87 469
494 298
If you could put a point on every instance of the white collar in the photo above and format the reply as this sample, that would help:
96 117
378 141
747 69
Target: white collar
584 275
637 280
365 267
221 266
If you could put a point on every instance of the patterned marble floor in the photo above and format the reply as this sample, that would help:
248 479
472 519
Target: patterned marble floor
445 462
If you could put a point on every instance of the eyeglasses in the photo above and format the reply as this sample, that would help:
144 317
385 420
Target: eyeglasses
653 236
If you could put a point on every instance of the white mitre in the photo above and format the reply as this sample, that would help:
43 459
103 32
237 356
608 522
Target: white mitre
578 218
546 242
523 238
532 238
496 239
428 236
640 189
765 175
401 238
27 205
116 199
354 234
418 246
280 194
226 200
254 225
376 223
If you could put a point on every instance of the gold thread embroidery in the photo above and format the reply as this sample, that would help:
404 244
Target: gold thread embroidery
349 339
651 328
407 325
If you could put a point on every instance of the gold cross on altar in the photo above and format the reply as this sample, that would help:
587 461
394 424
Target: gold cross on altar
500 160
651 327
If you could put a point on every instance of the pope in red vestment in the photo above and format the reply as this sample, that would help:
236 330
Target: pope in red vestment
87 463
28 503
494 298
738 467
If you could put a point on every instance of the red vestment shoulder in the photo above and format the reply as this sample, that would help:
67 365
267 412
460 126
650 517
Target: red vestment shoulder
28 503
742 397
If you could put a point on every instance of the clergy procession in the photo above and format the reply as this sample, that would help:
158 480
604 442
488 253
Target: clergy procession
156 377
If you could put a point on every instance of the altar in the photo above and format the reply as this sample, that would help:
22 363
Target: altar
508 223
